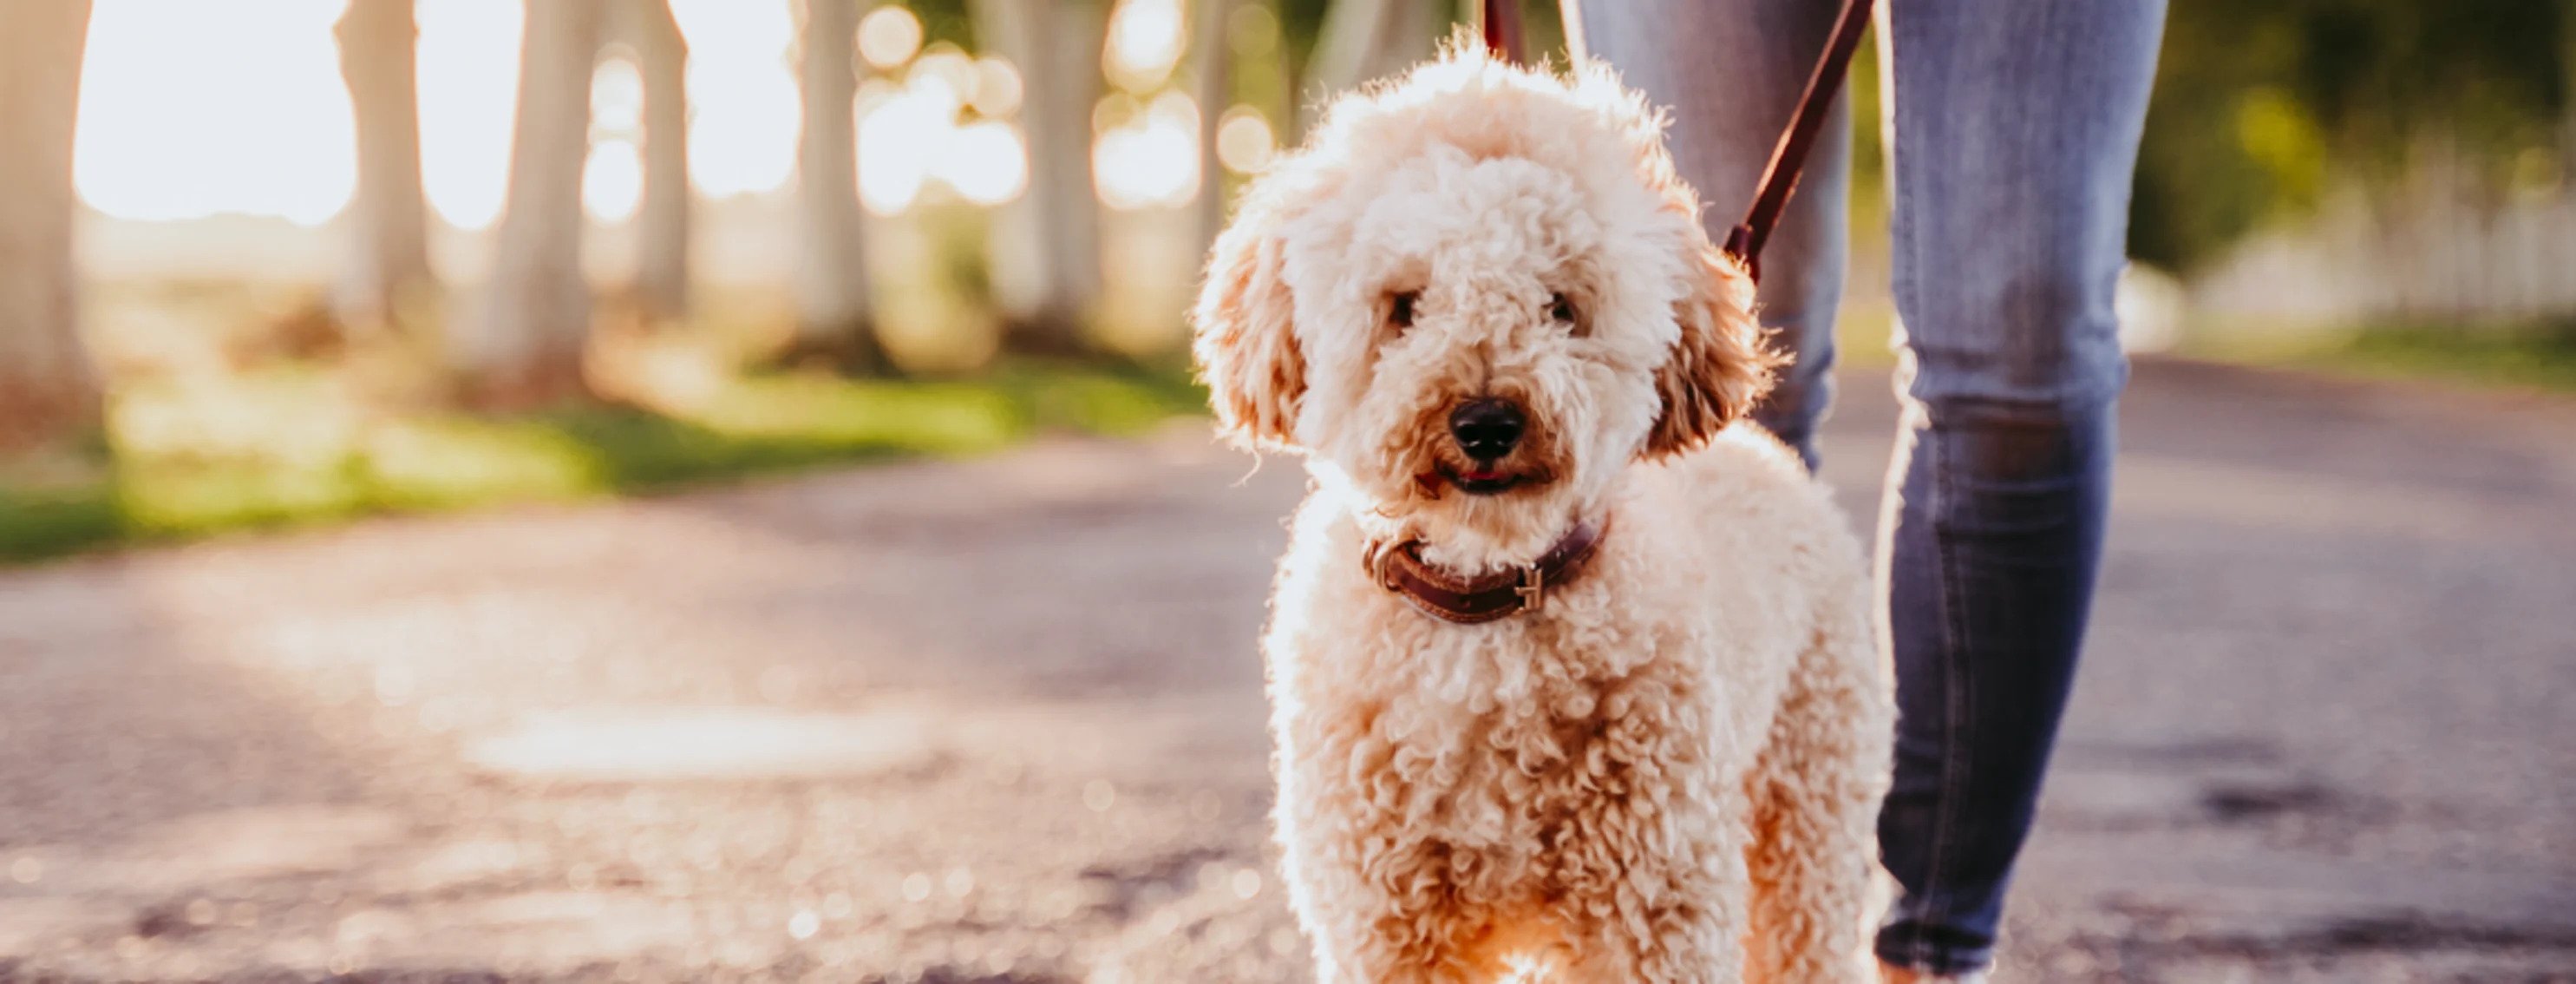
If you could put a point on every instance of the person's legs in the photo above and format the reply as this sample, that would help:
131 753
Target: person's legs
2015 129
1731 70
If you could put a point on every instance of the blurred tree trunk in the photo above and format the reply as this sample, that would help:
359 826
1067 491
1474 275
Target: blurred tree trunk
388 274
527 347
2563 242
1046 246
1368 39
2567 101
662 219
1215 63
47 385
833 319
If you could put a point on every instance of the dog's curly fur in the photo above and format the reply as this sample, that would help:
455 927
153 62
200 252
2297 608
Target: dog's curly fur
1671 771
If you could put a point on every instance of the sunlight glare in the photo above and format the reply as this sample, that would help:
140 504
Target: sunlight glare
469 89
617 97
888 36
1144 43
612 181
190 109
950 64
703 744
874 93
936 83
743 103
1151 160
897 139
986 162
1523 968
612 178
911 136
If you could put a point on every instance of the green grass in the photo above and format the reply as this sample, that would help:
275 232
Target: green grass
2530 356
2543 359
147 492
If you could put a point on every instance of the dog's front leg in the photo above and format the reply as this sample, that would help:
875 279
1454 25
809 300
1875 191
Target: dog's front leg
1376 886
1648 863
1384 912
1669 919
1815 799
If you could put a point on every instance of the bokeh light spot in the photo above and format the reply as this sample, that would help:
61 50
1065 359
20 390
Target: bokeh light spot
612 181
1144 43
617 97
1252 30
888 36
997 87
1243 140
1150 161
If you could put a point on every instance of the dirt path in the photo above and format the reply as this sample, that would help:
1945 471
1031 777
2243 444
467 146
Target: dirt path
1000 721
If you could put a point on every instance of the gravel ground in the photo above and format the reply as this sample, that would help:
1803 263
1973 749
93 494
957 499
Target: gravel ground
1000 721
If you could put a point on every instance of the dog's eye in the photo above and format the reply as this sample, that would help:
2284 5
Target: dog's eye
1399 309
1561 308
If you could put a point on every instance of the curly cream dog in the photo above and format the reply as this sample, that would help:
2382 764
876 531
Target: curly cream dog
1483 307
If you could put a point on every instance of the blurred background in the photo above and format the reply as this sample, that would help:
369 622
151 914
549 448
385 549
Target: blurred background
987 709
294 258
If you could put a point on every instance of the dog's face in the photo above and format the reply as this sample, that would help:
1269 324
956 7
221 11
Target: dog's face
1475 297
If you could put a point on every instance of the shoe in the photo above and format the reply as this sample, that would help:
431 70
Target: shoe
1900 975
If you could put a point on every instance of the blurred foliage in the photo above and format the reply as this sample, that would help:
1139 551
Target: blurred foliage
226 415
1543 30
1301 27
945 20
310 458
2260 107
2527 355
2536 356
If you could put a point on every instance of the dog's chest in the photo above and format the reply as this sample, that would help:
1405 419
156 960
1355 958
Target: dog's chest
1535 734
1521 794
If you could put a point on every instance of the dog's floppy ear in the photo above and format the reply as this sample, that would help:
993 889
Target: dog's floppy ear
1719 367
1247 352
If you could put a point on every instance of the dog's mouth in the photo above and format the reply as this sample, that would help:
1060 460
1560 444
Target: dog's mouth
1483 479
1488 447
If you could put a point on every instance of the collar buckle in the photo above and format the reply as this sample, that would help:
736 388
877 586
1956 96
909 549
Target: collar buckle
1398 567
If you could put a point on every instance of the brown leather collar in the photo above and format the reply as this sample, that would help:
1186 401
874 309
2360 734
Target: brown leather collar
1399 567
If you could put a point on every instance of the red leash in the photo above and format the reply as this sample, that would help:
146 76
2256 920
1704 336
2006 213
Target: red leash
1502 25
1780 179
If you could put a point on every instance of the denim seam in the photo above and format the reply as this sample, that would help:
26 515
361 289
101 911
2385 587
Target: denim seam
1903 284
1922 950
1954 698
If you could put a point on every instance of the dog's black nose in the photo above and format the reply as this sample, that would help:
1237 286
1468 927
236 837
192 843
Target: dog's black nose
1486 429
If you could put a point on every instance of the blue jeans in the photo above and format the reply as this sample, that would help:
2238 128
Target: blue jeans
2013 132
